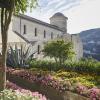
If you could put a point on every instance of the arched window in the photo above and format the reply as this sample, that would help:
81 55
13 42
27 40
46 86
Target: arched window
51 35
35 31
57 35
44 34
24 29
38 49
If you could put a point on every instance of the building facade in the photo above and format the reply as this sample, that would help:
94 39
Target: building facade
37 33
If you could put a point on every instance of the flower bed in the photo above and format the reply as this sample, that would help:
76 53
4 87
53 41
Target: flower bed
15 92
50 92
20 95
49 81
83 78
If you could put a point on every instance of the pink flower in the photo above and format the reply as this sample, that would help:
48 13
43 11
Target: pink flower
94 93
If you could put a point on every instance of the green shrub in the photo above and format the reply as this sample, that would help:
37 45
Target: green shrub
59 50
44 65
18 57
83 66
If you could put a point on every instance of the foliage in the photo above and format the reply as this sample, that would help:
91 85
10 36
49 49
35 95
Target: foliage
28 94
18 57
20 95
18 5
84 66
61 83
59 50
81 66
44 65
7 9
89 59
85 79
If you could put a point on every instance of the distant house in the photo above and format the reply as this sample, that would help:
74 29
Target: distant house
28 30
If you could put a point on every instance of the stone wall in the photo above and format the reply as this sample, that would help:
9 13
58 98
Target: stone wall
18 25
13 38
77 46
59 21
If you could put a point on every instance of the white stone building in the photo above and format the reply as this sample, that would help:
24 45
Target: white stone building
28 30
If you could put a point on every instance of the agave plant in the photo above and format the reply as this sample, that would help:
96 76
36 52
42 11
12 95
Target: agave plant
18 56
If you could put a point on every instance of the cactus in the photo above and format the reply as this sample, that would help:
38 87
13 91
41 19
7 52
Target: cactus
18 57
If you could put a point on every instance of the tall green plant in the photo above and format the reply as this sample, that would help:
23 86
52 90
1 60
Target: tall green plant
59 50
18 57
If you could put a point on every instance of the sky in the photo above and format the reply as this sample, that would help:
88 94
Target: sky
82 14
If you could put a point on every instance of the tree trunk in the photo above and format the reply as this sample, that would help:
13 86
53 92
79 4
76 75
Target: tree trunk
3 65
5 21
60 62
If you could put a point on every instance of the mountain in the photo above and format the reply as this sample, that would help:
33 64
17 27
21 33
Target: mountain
91 43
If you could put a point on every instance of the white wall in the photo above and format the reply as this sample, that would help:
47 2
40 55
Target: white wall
12 38
18 26
78 47
59 21
30 30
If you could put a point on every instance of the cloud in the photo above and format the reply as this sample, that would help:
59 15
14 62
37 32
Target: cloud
56 5
53 2
60 4
83 17
82 14
71 5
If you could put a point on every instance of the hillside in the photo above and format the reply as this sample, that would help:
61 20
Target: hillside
91 42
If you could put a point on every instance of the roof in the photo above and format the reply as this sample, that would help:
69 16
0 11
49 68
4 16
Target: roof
59 15
38 21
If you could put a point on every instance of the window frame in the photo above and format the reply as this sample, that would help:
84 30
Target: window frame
38 49
52 35
44 34
24 32
35 32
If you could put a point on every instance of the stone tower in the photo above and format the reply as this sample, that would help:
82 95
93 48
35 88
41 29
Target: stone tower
59 20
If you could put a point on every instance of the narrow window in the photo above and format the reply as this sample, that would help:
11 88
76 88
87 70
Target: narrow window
38 49
24 29
51 35
35 31
44 34
57 35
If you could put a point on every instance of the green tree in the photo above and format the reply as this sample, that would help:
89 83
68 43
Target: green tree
7 9
59 50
